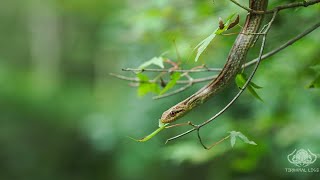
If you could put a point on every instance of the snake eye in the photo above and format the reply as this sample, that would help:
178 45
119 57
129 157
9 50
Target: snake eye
173 113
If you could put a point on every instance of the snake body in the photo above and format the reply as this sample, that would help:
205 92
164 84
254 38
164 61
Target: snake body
236 58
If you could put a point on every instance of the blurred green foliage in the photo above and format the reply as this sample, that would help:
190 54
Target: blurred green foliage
63 117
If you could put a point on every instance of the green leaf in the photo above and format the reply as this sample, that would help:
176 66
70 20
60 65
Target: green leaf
174 78
232 140
143 77
254 93
245 139
204 44
254 85
158 61
145 87
315 83
235 134
241 79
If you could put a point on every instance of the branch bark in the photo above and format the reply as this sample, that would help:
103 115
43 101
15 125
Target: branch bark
278 8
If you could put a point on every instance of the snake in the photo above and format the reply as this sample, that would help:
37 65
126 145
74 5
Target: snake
232 67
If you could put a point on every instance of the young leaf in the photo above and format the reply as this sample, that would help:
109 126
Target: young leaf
235 134
145 87
204 44
226 25
254 93
234 23
255 85
221 24
158 61
241 79
143 77
245 139
174 78
232 139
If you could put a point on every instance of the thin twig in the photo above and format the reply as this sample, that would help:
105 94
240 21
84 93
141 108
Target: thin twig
229 34
199 80
242 6
278 8
182 88
216 143
132 79
137 80
177 70
212 145
240 91
180 124
283 46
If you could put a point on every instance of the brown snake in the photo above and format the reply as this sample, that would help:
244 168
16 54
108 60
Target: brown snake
236 58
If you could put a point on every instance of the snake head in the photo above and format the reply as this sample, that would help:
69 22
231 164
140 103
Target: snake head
173 114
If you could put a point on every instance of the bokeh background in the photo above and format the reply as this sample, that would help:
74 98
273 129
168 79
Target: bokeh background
62 116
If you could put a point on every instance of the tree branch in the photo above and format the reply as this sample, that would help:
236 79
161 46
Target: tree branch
278 8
